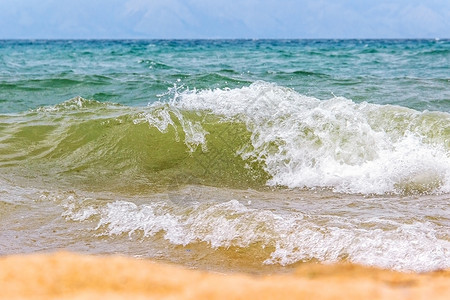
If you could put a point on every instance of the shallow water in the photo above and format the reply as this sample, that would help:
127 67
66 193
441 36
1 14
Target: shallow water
232 230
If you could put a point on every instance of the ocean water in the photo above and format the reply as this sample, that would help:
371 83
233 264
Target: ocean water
229 155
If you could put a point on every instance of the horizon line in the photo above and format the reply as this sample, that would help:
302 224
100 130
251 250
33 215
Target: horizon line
221 39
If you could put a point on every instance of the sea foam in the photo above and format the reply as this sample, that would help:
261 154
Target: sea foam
304 142
285 238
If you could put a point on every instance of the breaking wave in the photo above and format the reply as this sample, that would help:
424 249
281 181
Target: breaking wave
258 135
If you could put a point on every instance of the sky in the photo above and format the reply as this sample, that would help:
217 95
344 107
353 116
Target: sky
191 19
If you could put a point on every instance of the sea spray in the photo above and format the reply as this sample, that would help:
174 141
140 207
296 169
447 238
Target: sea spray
307 143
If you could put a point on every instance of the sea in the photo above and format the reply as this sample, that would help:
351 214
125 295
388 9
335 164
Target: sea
228 155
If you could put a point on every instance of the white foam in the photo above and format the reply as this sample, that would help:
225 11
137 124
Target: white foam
162 116
350 147
416 246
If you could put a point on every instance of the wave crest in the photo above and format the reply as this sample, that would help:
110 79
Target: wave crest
354 148
250 136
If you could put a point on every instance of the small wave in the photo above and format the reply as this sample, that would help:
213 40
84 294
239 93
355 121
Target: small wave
155 64
308 73
435 52
283 238
75 104
298 74
54 82
58 82
229 71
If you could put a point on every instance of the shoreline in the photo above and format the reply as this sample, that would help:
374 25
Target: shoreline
65 275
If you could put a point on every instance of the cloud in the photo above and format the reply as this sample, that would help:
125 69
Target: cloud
291 19
162 18
224 19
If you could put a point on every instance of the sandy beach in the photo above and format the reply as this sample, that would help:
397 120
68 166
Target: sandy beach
66 275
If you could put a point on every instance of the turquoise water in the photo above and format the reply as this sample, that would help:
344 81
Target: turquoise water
251 155
410 73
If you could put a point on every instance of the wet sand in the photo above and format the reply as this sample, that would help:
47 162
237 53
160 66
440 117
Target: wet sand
72 276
